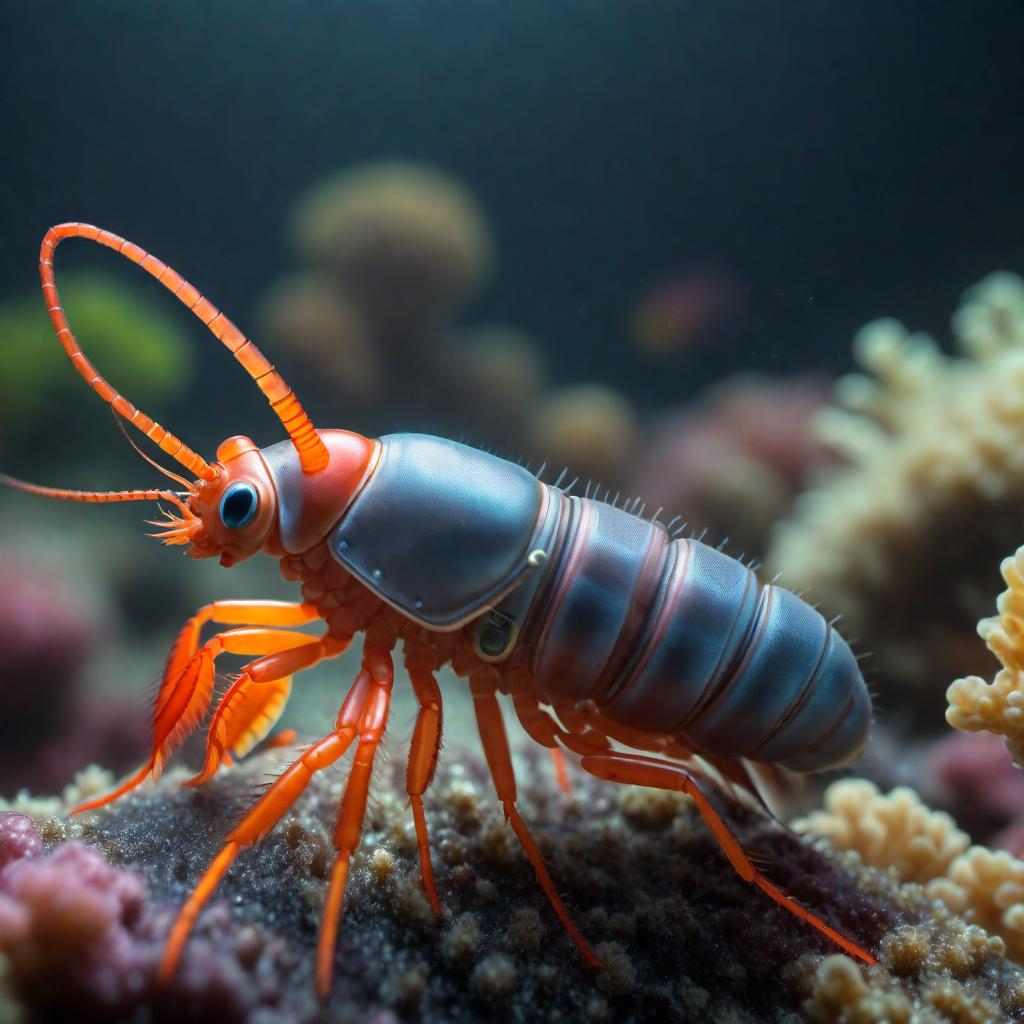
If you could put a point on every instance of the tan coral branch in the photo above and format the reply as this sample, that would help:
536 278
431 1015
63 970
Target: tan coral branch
998 707
890 831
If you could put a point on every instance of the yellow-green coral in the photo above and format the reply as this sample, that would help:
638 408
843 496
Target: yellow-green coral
934 446
891 831
998 707
124 333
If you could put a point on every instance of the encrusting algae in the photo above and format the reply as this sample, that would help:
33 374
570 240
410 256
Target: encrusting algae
682 937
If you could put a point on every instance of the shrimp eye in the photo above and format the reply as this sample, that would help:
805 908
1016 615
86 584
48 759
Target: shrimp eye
239 504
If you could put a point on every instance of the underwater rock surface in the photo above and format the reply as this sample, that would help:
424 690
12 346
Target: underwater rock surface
683 938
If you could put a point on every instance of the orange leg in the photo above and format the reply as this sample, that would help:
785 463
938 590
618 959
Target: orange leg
182 704
638 770
543 729
483 685
540 727
255 700
187 684
372 722
233 613
265 814
426 744
561 766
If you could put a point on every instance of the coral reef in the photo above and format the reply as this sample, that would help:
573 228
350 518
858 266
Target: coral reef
315 322
998 707
931 496
47 638
894 831
735 460
500 369
394 250
588 427
986 887
406 241
973 777
683 938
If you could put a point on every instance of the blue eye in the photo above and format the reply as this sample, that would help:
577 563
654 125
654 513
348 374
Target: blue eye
239 504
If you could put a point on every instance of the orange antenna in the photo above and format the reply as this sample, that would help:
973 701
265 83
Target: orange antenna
312 452
94 497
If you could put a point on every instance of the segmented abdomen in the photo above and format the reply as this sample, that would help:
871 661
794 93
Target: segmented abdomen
676 638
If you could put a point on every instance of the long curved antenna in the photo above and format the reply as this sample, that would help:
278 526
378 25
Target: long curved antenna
93 497
312 452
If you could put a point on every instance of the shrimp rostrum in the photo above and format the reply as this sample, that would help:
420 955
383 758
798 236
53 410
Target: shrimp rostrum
645 654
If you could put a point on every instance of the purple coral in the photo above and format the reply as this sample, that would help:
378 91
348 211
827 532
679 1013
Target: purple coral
736 459
82 940
45 638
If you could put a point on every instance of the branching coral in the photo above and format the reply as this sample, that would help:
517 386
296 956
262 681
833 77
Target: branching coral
893 830
899 833
998 707
394 250
986 887
934 489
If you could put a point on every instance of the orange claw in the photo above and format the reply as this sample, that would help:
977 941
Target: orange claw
258 696
181 702
246 713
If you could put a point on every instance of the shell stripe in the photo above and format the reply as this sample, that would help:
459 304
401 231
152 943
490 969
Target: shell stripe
656 624
800 700
721 681
679 640
639 612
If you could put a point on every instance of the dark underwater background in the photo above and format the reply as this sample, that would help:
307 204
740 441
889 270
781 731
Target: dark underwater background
839 161
636 239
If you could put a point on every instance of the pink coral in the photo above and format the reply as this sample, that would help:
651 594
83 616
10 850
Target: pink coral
82 940
48 634
973 776
69 922
735 460
19 837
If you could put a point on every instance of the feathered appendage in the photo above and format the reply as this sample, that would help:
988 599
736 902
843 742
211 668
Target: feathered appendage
175 529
